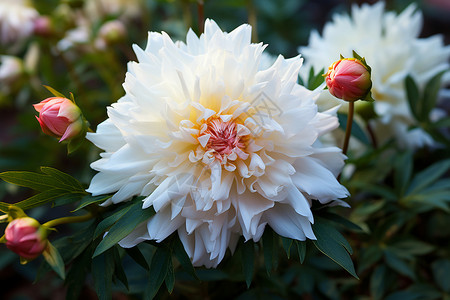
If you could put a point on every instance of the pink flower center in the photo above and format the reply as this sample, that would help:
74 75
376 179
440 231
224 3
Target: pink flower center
223 138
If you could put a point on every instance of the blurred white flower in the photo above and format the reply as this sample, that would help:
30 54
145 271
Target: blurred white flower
16 20
219 146
77 36
392 47
98 9
11 70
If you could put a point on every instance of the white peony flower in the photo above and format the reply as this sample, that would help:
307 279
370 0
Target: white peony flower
219 147
391 46
16 20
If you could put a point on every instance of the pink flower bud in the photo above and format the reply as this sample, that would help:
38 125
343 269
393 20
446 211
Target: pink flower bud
348 79
59 117
26 237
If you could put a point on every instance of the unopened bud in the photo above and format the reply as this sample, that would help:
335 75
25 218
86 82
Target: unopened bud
349 79
60 117
26 237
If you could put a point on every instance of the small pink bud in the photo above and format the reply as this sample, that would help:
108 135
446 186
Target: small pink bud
42 26
26 237
349 79
59 117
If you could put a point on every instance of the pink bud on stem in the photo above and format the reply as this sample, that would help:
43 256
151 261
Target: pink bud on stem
59 117
26 237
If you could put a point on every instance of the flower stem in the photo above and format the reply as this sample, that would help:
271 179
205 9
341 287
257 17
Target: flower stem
348 129
66 220
201 16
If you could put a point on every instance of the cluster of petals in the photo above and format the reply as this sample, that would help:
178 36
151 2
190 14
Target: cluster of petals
219 146
391 45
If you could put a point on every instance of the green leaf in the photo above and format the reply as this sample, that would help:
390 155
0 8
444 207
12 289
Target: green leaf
183 258
46 197
270 249
441 273
248 261
88 200
403 170
118 268
137 256
170 277
124 226
158 271
333 246
426 177
301 248
340 220
394 262
412 92
31 180
54 92
357 131
378 282
369 256
102 272
54 259
430 95
109 221
287 244
315 80
77 274
64 178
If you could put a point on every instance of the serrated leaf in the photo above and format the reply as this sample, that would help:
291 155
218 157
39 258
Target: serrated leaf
54 259
248 261
412 93
102 272
137 256
124 226
327 244
54 92
315 79
158 271
301 248
183 258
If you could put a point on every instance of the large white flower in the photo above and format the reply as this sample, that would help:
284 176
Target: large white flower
391 46
16 20
219 147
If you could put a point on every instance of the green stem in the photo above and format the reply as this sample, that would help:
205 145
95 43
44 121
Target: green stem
66 220
348 129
